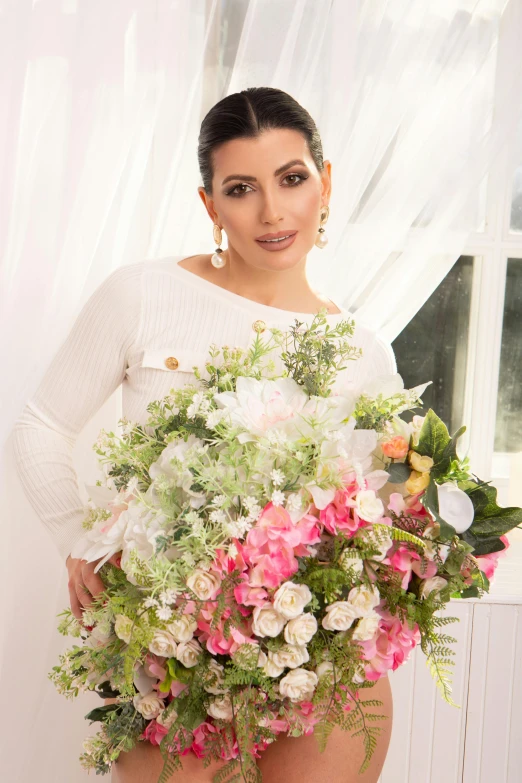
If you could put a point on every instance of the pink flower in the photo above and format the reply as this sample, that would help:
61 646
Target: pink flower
223 564
396 448
214 638
272 545
250 596
337 515
488 563
390 646
406 560
154 732
202 732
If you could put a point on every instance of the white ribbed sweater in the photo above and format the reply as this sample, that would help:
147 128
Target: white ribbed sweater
141 315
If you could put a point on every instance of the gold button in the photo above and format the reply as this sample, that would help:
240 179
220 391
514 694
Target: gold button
172 363
259 326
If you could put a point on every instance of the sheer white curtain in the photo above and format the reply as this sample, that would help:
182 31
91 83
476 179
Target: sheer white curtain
99 115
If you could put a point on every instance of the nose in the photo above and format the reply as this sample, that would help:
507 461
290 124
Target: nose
271 212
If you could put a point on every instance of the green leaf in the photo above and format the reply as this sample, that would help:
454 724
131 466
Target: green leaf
490 521
435 442
399 472
101 713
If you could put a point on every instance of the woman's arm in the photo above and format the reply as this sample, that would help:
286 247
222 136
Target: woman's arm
88 367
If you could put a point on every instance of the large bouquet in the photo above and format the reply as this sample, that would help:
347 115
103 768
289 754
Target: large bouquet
286 540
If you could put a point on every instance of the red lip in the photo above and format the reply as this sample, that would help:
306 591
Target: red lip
276 236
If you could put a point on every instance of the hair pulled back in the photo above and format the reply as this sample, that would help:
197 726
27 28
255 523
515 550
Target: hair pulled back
247 114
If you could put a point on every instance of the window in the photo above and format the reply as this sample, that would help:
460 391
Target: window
508 428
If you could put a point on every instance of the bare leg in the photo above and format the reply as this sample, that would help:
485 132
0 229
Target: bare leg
143 764
298 760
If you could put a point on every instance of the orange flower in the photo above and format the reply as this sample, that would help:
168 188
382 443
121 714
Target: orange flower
396 447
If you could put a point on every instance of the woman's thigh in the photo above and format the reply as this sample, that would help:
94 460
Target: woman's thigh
143 764
298 760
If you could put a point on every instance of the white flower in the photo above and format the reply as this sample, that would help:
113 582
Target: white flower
368 505
203 583
149 602
188 653
165 720
267 621
218 516
340 615
278 497
347 562
175 450
298 685
301 629
325 669
290 599
163 643
143 679
164 613
123 627
277 476
366 627
291 655
221 708
214 678
271 669
214 418
182 628
218 500
455 506
259 406
364 599
432 585
149 706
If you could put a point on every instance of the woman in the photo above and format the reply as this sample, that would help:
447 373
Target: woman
266 184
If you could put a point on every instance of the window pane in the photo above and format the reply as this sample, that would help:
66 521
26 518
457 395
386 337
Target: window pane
434 347
508 430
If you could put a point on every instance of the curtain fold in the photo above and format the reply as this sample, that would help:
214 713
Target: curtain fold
416 100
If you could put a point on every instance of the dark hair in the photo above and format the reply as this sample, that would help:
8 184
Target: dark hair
246 114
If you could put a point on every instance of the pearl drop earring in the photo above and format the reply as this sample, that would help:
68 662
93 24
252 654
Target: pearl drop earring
217 259
322 239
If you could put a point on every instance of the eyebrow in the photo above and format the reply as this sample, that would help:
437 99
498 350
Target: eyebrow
278 171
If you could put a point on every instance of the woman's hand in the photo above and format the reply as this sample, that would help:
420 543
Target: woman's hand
84 583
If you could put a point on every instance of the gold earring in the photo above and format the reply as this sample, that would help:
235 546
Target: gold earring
322 240
217 259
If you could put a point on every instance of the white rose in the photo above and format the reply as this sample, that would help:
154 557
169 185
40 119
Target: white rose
188 652
182 628
368 505
149 706
431 549
339 616
221 708
364 599
291 655
301 629
290 599
122 628
380 542
267 621
214 677
203 583
366 627
165 720
434 584
347 561
271 669
324 669
298 685
163 643
262 658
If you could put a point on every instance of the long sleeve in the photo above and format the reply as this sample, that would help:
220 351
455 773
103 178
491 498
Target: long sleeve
87 368
383 357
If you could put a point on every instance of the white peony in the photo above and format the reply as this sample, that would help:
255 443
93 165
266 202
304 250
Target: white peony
455 506
367 627
369 506
188 653
432 585
298 685
340 615
221 708
182 628
123 628
149 706
266 621
204 584
364 599
300 629
290 599
259 406
164 644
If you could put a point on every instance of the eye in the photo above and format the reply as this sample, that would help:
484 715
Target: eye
235 192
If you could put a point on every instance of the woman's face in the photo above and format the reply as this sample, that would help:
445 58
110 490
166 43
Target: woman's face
260 188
